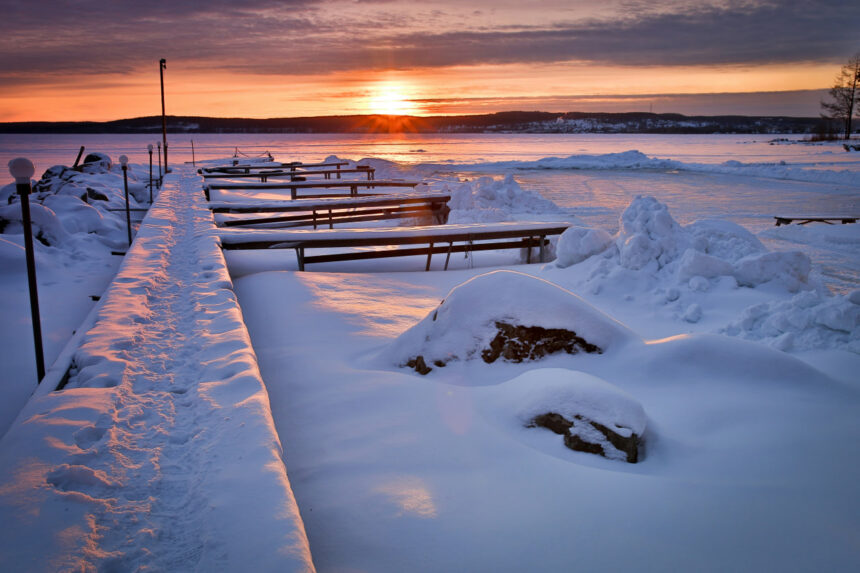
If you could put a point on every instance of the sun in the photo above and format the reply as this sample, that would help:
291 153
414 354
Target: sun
390 98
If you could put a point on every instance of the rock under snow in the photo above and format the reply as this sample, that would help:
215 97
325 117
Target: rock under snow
508 315
593 415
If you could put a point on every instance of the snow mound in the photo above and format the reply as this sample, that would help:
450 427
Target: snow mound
653 251
579 243
72 208
468 320
488 200
569 393
807 321
649 234
723 240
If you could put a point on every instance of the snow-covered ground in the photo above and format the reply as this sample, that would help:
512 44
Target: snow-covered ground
725 347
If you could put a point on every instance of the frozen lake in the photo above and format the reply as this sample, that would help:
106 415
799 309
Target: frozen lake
746 179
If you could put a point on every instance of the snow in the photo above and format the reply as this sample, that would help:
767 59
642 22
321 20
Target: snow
287 435
161 451
568 393
465 321
488 200
636 160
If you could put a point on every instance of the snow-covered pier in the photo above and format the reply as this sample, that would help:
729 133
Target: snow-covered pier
160 453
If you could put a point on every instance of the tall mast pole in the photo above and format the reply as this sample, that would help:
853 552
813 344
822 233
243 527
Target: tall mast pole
161 65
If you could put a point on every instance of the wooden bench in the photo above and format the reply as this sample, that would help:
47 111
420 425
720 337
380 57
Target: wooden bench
337 210
442 239
807 220
292 174
247 167
295 186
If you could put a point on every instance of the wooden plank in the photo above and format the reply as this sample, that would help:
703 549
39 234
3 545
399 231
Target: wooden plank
246 167
255 186
275 238
266 175
332 203
422 251
295 187
780 220
436 210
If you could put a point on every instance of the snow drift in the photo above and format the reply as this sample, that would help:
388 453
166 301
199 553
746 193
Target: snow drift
469 321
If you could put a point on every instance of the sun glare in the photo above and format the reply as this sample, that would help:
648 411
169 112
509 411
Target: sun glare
390 98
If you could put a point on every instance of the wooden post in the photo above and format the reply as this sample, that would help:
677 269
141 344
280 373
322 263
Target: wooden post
78 158
429 256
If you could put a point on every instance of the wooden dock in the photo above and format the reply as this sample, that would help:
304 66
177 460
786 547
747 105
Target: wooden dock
441 239
321 212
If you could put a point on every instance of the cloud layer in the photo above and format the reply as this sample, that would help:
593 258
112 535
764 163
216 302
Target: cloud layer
313 37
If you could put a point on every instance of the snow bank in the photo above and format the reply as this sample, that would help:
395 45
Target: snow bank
161 453
487 200
466 321
808 321
634 159
652 251
71 207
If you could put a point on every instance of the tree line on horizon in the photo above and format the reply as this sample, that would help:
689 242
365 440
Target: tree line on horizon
511 121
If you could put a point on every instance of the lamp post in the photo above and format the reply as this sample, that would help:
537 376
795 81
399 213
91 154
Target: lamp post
123 160
149 148
22 169
161 65
160 176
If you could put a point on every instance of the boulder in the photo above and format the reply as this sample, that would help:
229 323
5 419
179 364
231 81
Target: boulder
515 343
510 316
592 415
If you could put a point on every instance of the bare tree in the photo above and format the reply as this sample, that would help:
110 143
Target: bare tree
845 95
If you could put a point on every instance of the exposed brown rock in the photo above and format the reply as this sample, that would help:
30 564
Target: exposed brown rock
576 440
516 343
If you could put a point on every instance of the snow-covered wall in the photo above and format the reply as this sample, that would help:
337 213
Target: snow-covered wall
161 452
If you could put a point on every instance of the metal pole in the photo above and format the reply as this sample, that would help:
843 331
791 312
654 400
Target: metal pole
193 159
160 175
124 161
149 147
22 169
161 65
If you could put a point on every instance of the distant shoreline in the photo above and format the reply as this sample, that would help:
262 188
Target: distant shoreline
504 122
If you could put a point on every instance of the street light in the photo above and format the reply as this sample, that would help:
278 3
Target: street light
22 169
123 160
161 65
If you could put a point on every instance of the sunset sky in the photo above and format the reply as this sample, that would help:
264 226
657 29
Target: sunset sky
98 60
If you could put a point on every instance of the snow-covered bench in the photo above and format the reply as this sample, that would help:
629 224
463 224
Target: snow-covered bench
295 186
336 210
247 167
442 239
805 220
293 174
